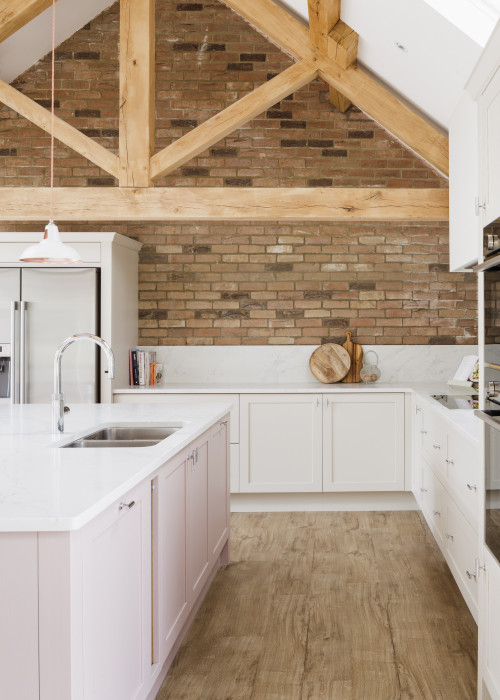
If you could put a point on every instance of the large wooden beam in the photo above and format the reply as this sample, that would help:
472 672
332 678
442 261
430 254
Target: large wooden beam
63 131
377 102
14 14
234 116
333 38
137 103
323 16
230 204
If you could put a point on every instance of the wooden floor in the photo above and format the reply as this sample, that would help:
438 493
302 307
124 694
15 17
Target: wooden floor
320 606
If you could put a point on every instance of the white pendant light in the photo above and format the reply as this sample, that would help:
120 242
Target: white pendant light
51 249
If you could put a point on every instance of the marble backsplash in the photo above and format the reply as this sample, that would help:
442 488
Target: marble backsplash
290 364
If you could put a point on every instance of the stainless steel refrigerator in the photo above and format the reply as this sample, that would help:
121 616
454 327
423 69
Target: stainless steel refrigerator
39 308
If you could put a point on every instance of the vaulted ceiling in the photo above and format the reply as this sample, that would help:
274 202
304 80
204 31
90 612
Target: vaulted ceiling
424 50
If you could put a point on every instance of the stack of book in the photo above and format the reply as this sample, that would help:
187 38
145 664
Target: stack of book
144 370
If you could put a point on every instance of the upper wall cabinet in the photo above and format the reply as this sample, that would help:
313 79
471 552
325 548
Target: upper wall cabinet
464 170
484 87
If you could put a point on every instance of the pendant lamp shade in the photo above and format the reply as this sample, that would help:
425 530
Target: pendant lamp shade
50 249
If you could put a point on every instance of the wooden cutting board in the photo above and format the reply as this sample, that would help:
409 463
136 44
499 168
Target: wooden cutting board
329 363
356 355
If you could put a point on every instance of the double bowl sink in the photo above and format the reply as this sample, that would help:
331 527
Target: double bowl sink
125 436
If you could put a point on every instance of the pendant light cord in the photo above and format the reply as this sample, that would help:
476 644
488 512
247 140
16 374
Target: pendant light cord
52 104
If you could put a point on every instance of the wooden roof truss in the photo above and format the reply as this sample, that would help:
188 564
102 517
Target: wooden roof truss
327 50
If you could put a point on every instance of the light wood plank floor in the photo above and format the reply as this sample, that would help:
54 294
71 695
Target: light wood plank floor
320 606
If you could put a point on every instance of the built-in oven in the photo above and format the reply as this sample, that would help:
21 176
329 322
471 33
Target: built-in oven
492 480
491 285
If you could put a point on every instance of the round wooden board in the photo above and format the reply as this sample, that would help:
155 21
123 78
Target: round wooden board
330 363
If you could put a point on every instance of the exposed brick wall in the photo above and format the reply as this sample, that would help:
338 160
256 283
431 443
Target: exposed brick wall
252 283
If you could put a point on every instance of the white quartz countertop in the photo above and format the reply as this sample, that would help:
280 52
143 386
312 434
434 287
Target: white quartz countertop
463 420
45 488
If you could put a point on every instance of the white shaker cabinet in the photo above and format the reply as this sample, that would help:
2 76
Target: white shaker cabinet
446 467
489 115
280 443
197 500
115 610
465 224
489 628
218 489
170 590
363 442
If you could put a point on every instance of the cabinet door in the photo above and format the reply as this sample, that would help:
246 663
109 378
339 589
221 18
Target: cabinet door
433 503
169 555
197 497
463 475
280 441
464 172
218 489
363 442
461 553
489 114
434 443
116 599
489 628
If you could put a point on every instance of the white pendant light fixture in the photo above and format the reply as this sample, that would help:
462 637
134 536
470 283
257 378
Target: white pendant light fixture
51 249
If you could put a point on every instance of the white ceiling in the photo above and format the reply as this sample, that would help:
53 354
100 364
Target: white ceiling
423 49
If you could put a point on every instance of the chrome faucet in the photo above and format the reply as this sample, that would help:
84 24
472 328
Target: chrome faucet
58 396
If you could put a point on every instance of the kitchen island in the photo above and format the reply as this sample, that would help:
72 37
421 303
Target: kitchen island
106 552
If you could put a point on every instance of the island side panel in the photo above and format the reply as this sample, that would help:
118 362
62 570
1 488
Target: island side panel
19 615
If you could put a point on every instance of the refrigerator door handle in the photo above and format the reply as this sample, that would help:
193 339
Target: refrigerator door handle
22 354
14 366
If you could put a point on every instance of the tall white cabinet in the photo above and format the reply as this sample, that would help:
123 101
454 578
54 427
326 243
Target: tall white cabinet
465 222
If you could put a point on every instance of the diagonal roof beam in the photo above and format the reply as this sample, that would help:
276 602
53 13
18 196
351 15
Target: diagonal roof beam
378 103
14 14
63 131
234 116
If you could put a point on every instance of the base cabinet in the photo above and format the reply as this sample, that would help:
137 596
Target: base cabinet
489 636
170 590
105 606
445 486
280 443
116 600
363 442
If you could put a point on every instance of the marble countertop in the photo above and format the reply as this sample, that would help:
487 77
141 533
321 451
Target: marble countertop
462 419
44 488
277 388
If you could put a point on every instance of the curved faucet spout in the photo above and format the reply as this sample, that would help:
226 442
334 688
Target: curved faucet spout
58 396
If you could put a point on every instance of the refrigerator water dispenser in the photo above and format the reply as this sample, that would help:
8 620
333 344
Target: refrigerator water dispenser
5 371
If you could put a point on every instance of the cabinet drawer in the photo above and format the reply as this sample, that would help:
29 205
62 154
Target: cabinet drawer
434 443
461 553
463 474
433 501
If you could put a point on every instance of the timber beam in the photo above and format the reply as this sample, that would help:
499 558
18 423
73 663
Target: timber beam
225 203
14 14
64 132
137 91
231 118
333 38
372 98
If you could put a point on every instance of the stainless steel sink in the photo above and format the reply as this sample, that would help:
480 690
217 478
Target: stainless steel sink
125 436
